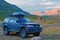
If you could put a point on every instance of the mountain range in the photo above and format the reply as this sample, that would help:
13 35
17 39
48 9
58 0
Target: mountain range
46 12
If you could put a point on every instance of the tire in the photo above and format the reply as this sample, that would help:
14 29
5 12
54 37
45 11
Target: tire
23 33
17 33
36 34
6 32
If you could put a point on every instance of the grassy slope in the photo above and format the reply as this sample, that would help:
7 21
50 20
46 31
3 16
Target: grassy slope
6 9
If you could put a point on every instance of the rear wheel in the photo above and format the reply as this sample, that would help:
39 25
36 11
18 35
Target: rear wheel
23 33
36 34
6 32
17 33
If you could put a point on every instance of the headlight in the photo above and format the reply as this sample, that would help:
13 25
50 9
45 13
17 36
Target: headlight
29 25
41 26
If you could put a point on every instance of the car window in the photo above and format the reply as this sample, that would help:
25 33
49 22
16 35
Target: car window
24 20
13 19
6 20
27 20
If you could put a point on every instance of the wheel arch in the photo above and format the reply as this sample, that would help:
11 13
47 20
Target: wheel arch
22 27
5 27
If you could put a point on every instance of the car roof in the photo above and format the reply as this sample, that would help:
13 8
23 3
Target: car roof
17 14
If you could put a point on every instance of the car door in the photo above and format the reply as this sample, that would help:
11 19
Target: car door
11 24
15 24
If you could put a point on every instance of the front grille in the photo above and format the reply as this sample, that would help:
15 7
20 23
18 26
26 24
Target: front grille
34 29
36 25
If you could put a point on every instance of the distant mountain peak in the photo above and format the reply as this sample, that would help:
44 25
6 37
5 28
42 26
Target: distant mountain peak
47 12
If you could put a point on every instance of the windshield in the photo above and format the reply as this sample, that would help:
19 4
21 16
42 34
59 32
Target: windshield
27 20
24 20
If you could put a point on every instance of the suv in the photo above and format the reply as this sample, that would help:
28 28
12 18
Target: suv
21 25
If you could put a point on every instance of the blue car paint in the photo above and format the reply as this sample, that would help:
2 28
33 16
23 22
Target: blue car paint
16 27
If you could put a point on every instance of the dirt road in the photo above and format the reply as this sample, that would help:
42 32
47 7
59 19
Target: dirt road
17 37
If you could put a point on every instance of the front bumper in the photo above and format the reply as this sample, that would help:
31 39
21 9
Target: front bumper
34 29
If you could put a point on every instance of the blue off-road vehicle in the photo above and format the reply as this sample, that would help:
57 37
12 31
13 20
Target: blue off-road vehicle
21 25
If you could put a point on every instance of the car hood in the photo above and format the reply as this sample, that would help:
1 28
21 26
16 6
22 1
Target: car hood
31 23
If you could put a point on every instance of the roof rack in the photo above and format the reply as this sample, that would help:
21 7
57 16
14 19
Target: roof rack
17 14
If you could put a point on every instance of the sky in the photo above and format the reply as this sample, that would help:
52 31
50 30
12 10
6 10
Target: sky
35 5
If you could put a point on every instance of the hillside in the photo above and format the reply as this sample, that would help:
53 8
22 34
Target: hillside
6 9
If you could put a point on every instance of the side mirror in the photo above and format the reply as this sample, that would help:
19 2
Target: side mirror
17 21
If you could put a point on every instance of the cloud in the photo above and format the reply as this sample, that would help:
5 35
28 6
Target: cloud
34 5
44 0
24 2
30 2
14 1
54 7
48 3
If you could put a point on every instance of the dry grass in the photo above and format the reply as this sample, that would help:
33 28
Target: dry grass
51 33
50 22
53 21
51 30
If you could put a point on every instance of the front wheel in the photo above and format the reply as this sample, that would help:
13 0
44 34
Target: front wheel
6 32
23 33
36 34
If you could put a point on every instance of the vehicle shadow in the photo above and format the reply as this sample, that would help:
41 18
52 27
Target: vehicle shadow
14 34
